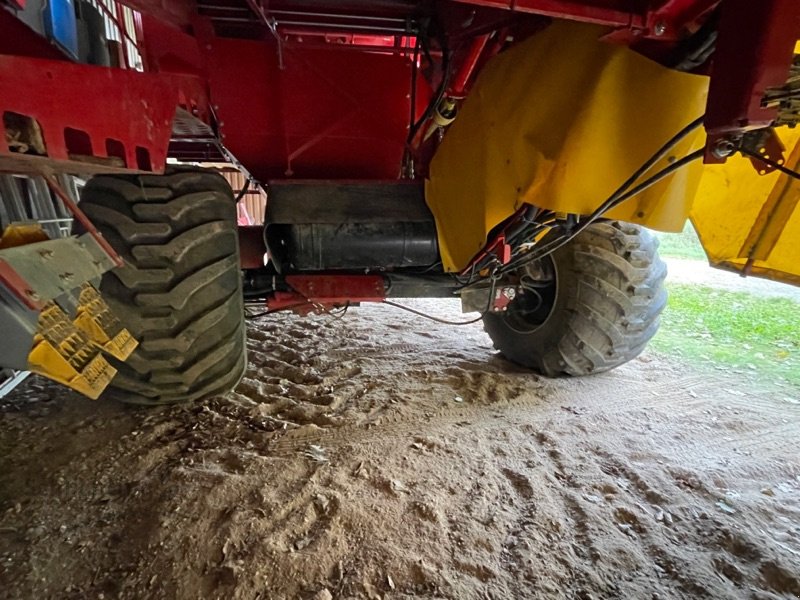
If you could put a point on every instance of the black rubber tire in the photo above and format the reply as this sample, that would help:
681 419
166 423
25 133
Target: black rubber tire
180 290
608 300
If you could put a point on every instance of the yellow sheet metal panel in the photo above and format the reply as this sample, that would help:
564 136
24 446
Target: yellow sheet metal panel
560 121
740 214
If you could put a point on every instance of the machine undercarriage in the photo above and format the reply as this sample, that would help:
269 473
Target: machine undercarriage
507 153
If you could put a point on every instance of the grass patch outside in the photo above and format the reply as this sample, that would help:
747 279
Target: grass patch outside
681 245
733 331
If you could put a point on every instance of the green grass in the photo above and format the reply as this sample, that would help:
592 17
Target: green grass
681 245
733 331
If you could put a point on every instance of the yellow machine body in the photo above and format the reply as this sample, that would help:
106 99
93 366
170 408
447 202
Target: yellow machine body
562 119
751 223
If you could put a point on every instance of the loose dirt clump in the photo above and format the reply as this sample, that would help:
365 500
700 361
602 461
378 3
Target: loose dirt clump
380 456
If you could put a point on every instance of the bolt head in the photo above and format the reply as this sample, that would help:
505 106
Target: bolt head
723 149
660 28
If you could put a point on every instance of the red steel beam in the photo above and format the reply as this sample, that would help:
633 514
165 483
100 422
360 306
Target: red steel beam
617 13
12 281
754 52
312 293
458 88
81 217
335 289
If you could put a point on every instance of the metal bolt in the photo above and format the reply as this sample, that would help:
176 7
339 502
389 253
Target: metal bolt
66 276
660 28
46 254
723 149
510 293
31 294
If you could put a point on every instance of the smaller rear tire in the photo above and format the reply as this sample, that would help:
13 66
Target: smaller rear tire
591 306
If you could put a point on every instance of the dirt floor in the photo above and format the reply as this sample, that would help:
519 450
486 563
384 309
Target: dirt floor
384 456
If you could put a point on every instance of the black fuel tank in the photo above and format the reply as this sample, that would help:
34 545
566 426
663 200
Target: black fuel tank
319 226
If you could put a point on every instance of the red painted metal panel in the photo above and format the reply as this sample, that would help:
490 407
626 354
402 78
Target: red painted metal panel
167 48
326 114
334 289
177 12
627 13
108 108
754 51
319 293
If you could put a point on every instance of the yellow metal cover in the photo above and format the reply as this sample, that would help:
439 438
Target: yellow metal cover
560 121
751 222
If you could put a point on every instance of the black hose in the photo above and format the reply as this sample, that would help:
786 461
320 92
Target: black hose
615 200
414 69
649 163
619 195
775 165
693 52
243 191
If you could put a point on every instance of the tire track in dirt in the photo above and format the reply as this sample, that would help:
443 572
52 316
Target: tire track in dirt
439 464
631 507
521 407
315 394
584 547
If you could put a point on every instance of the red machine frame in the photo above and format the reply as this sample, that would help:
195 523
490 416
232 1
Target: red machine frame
285 130
329 95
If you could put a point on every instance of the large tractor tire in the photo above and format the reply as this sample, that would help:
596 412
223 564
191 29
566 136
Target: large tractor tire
589 307
180 291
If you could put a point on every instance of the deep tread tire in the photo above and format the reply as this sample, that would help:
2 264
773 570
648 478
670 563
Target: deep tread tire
610 294
180 290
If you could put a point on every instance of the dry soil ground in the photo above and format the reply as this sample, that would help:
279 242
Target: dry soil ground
382 456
